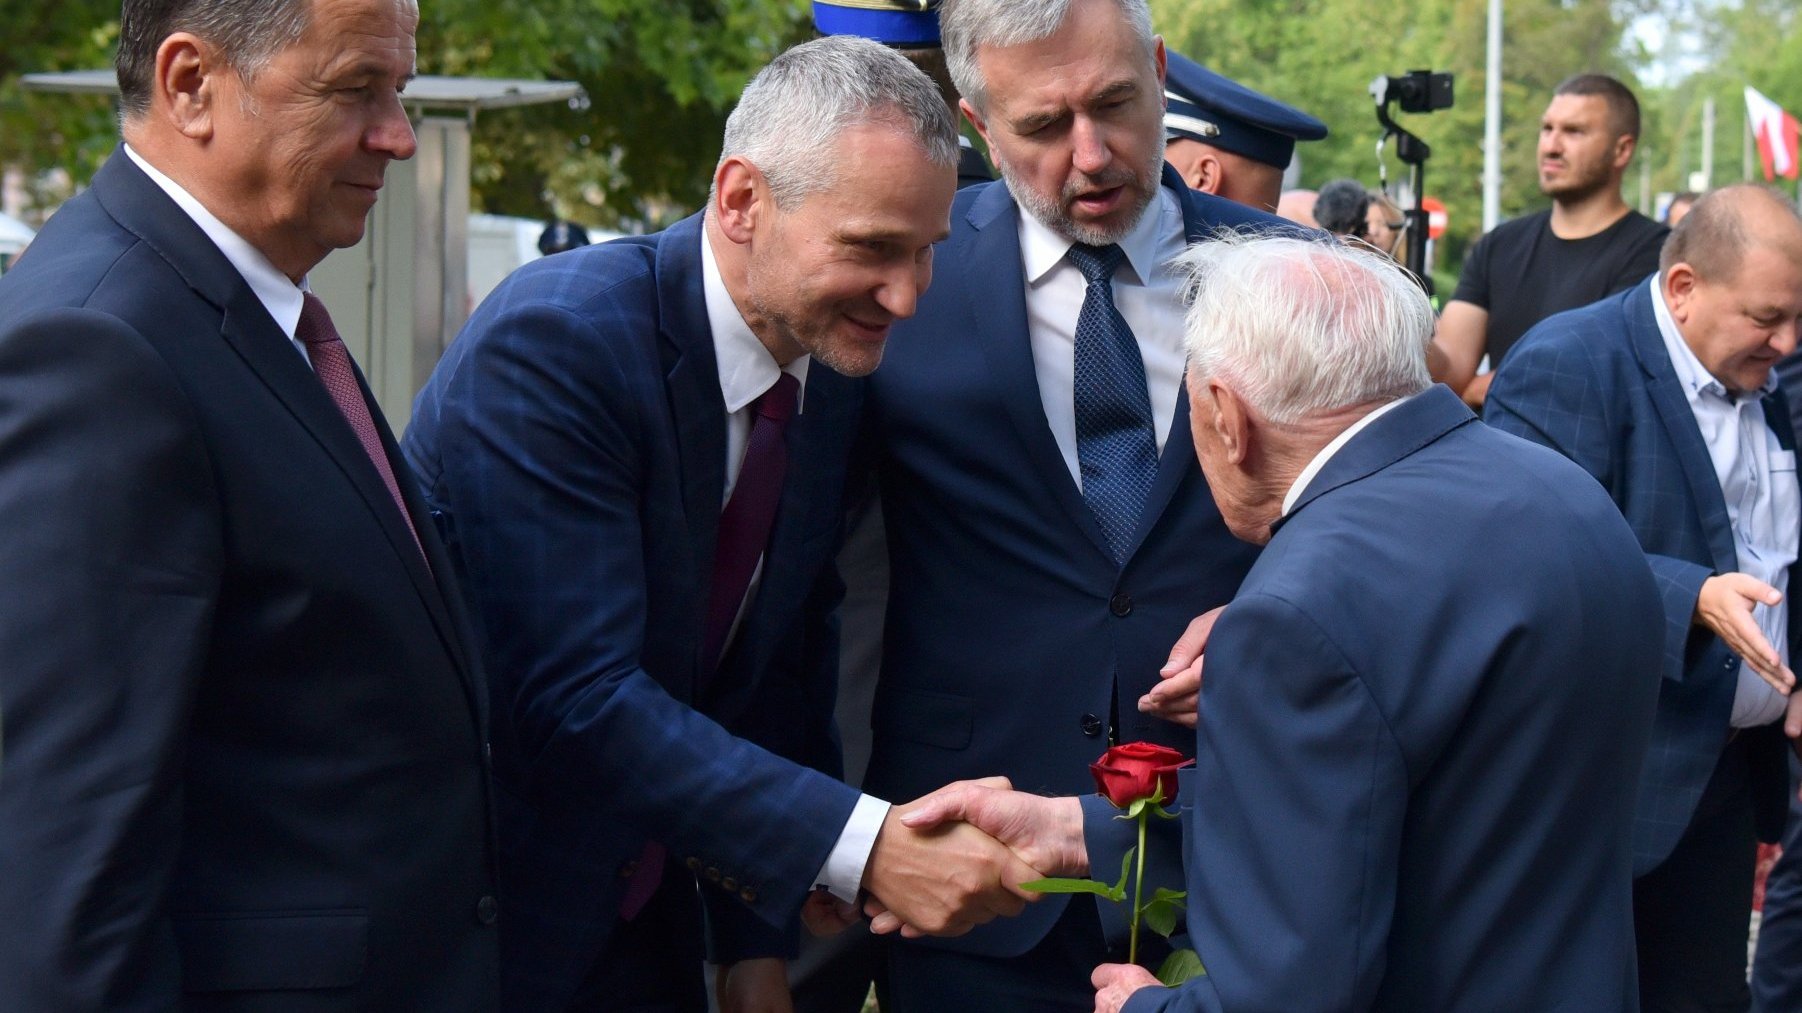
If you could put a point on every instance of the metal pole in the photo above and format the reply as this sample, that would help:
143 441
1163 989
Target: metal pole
1492 121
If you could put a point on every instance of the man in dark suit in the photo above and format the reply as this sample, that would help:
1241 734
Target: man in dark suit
663 669
1400 800
1036 475
1665 394
244 745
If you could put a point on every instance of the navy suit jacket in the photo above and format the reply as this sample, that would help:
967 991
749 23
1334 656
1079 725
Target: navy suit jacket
573 441
244 720
1402 799
1012 634
1596 384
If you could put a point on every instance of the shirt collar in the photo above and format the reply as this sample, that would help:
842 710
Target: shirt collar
747 369
1695 377
275 290
1309 473
1041 249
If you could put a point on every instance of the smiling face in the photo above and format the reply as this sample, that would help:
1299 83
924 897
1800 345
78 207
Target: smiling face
829 276
1075 122
1579 153
298 153
1740 326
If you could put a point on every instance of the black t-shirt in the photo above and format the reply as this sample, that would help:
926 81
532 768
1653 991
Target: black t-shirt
1522 273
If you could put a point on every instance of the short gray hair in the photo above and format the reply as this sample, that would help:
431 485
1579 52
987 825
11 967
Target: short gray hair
965 26
1297 327
793 110
246 33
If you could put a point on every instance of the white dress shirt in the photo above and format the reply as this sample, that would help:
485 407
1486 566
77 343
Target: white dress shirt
1149 298
1300 485
1764 506
746 371
275 290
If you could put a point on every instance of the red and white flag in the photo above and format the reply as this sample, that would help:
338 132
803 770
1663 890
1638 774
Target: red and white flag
1776 133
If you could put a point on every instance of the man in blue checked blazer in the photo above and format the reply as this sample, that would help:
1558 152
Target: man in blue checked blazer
663 666
1036 590
1665 394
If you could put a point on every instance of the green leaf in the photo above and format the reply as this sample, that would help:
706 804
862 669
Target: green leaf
1059 885
1167 814
1179 967
1118 893
1161 910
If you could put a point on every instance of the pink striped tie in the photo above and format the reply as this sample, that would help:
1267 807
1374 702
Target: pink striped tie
331 363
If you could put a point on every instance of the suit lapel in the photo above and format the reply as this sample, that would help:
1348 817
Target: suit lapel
1679 423
999 326
139 205
697 408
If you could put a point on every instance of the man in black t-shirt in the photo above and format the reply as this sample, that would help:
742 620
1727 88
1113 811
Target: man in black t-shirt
1588 246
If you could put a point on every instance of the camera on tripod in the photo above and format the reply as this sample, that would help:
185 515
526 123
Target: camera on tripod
1417 91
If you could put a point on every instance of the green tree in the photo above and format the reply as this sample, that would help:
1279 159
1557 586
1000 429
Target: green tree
42 132
1321 55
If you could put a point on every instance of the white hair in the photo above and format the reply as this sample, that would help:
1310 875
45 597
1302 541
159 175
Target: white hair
792 111
1297 327
965 26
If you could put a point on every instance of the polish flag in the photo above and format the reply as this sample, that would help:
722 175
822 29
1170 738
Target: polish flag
1776 132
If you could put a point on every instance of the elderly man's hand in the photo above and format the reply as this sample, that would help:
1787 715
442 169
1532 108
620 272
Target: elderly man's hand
1115 983
941 880
1178 697
759 985
1725 606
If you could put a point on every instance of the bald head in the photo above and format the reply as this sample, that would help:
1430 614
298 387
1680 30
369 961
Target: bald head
1714 237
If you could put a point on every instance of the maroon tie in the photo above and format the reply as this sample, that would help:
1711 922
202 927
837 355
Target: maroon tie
331 363
743 536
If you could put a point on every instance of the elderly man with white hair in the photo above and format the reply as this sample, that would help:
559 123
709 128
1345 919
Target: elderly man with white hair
1401 797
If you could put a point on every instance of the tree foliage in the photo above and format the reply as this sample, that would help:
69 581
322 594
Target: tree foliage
1321 56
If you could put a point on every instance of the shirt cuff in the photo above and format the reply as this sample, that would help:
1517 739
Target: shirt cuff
842 874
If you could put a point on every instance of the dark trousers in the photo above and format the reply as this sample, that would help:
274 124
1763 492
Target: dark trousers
1052 977
653 963
1777 970
1693 913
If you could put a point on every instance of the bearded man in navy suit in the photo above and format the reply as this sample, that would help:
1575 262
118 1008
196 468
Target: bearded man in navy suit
1033 457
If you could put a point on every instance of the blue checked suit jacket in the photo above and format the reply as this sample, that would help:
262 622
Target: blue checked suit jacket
1597 385
572 443
1012 634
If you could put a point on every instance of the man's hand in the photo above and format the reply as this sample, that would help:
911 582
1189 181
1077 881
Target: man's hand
1477 391
1725 606
1178 696
942 881
826 915
754 986
1045 832
1115 983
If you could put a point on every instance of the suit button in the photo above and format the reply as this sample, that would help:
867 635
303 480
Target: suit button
628 869
1121 604
729 885
1091 725
748 895
712 874
487 752
487 910
694 864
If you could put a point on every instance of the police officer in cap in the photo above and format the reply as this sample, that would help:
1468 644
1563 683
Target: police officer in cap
910 27
1228 140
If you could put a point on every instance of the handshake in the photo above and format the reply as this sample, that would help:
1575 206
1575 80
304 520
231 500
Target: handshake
957 858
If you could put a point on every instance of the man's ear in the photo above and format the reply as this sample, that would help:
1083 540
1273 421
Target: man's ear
740 194
1163 64
976 120
1208 175
1680 291
189 74
1623 152
1232 422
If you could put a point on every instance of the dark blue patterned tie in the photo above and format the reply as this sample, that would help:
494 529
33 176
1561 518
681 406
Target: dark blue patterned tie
1115 444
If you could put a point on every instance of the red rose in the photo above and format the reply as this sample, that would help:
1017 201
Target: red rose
1134 770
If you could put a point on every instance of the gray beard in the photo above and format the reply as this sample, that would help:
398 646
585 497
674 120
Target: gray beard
1051 214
